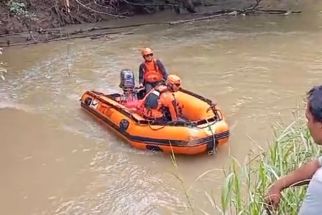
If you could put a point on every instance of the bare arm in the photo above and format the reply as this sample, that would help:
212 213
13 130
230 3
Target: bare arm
167 100
297 177
173 112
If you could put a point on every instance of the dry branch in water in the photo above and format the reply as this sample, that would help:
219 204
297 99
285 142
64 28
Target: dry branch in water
251 10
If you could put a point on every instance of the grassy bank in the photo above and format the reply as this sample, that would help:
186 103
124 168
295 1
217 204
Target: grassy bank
246 184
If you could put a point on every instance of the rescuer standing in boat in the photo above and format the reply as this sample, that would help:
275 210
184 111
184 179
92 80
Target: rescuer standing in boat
151 71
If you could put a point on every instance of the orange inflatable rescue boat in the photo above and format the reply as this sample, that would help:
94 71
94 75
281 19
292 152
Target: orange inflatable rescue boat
203 129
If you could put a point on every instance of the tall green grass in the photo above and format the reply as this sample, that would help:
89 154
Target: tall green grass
246 184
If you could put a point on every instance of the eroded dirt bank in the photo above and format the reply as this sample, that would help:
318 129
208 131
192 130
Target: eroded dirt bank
34 21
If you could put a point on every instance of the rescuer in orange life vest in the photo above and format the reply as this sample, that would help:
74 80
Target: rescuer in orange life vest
151 71
160 103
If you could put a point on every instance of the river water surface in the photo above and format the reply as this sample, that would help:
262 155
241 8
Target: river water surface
56 159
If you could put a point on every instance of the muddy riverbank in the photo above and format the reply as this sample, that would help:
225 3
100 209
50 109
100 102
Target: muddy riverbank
31 22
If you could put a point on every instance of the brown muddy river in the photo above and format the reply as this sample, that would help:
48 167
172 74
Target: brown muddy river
56 159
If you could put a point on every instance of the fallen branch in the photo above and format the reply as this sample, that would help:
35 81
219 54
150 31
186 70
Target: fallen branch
245 12
284 12
92 36
60 37
194 19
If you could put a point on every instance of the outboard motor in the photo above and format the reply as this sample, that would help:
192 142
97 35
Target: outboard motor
127 84
127 79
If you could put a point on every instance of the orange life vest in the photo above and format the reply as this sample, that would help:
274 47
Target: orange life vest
157 106
152 73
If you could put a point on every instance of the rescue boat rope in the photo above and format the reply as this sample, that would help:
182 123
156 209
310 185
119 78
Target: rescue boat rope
212 148
156 129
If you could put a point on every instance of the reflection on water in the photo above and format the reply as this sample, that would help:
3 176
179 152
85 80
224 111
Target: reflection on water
55 159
